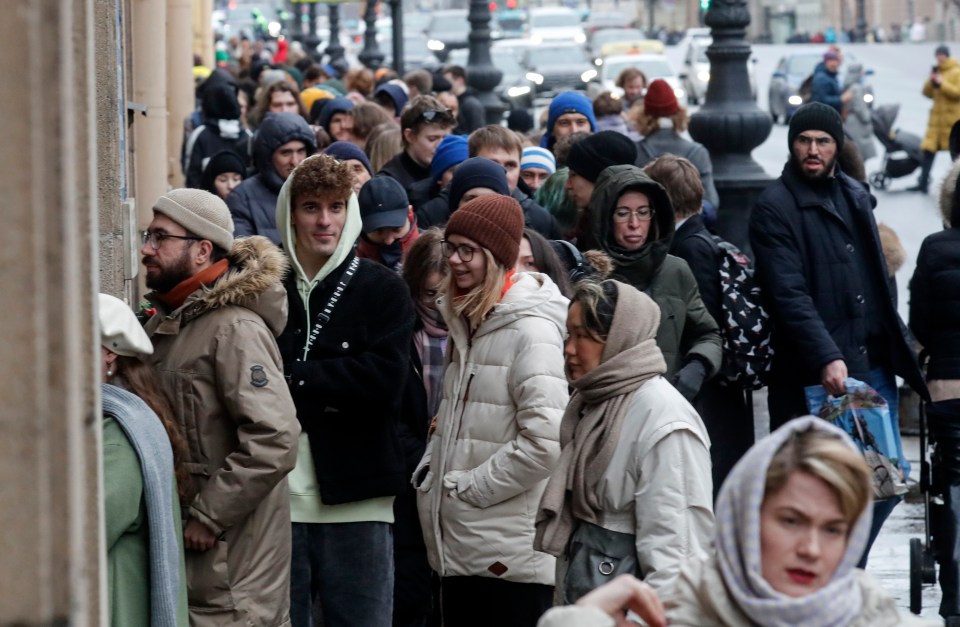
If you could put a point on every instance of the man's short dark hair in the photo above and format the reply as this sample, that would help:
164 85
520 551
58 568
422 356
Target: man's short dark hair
561 149
455 71
314 73
421 79
494 136
681 180
321 175
415 114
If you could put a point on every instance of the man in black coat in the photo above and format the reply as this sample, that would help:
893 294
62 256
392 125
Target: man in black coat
423 125
724 408
825 282
346 351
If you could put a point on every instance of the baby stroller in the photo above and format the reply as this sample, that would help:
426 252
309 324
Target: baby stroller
901 149
940 486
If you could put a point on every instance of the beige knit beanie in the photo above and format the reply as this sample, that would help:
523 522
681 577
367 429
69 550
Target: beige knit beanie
201 213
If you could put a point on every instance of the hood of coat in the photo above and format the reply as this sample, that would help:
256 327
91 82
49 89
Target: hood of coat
533 294
220 102
637 266
254 281
276 130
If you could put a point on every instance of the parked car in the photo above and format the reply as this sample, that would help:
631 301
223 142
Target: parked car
600 38
695 74
653 66
557 66
548 24
447 31
791 71
505 55
511 23
416 54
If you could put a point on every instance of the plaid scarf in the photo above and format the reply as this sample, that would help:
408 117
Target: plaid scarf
431 343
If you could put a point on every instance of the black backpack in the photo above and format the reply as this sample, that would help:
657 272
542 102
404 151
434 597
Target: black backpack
745 329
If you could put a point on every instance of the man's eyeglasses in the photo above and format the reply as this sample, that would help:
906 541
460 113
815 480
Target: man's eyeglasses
463 251
623 215
821 142
155 239
436 114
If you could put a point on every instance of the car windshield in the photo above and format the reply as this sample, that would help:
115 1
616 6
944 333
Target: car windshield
803 65
554 20
510 22
554 55
651 68
602 37
448 23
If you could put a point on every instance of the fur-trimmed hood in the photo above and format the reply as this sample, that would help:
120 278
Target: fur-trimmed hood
253 281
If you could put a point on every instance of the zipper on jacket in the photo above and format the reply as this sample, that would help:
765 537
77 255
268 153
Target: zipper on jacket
463 406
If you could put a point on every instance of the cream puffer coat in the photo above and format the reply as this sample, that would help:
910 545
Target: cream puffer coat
497 437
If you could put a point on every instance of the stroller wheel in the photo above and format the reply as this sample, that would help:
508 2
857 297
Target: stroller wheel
879 180
929 575
916 575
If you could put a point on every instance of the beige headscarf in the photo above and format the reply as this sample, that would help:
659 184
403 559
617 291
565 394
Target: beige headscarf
594 417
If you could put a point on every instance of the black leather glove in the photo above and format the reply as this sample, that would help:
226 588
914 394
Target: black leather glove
688 379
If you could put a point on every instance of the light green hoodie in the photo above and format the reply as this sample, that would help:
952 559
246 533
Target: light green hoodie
305 503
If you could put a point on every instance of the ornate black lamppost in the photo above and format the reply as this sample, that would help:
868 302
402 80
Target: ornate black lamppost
396 12
311 41
482 75
334 49
370 56
730 124
861 21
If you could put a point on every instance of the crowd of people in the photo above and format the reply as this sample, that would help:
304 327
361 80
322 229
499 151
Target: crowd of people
412 369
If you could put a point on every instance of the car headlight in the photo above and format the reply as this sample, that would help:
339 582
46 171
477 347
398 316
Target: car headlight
598 62
868 98
536 39
679 93
703 76
588 76
436 45
795 100
533 77
516 92
580 38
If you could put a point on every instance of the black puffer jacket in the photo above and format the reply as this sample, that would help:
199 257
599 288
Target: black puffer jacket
220 131
253 203
807 265
686 330
935 299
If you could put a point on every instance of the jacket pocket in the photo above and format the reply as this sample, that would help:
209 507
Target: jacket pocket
208 578
597 556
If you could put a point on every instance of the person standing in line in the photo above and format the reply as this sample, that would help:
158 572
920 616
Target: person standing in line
220 305
496 437
943 87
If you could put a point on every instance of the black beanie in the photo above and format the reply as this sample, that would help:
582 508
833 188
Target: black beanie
477 172
816 116
593 155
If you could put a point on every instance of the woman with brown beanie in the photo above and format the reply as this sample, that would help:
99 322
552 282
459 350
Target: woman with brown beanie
495 438
632 492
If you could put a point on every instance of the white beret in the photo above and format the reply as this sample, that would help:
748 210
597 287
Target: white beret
120 331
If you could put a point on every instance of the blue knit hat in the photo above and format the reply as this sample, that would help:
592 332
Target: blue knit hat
337 105
345 151
537 157
452 150
477 172
395 93
567 102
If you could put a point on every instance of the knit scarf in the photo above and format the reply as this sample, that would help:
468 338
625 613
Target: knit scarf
591 425
738 545
149 439
173 299
431 343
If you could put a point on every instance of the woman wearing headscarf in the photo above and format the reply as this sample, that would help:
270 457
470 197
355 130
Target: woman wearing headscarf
632 489
858 120
632 221
793 518
495 440
142 446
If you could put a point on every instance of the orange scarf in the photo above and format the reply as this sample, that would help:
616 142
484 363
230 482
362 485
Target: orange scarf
173 299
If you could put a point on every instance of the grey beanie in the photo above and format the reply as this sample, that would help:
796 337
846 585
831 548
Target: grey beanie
199 212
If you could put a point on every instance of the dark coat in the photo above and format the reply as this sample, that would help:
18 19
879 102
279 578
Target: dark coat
825 88
935 300
349 390
253 203
724 409
405 170
220 131
437 211
686 330
421 192
813 290
471 115
668 141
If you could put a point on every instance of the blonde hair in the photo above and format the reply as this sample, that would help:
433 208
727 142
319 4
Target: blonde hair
383 144
647 124
477 304
828 458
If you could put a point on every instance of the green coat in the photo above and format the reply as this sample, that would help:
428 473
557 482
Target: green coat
946 107
686 327
128 543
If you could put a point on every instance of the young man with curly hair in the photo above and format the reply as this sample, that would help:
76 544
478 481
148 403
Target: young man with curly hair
345 351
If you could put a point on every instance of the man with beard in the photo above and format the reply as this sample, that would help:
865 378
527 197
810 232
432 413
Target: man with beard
220 305
825 281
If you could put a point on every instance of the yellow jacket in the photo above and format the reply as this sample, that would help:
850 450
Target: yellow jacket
946 106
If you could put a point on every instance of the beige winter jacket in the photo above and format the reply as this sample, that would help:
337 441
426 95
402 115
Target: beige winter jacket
497 437
221 369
